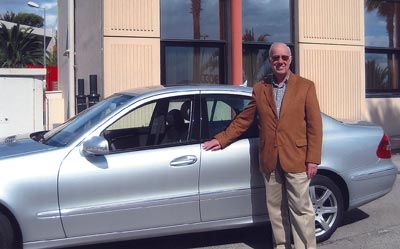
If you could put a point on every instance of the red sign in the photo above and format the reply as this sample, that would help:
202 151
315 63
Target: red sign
51 77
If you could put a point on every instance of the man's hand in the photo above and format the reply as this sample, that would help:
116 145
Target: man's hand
212 145
311 170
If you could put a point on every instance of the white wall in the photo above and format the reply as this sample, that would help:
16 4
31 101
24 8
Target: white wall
21 101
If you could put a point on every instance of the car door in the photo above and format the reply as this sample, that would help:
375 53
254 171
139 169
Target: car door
231 185
144 182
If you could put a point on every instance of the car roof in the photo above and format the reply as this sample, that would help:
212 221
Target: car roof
160 89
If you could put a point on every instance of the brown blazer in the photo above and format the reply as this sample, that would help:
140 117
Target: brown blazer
295 137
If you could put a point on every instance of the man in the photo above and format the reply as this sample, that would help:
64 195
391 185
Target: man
290 128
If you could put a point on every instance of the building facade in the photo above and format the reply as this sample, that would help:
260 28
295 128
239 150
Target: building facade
349 48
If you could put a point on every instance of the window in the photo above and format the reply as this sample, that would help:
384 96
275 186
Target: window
382 51
220 110
193 42
193 62
166 121
84 121
264 22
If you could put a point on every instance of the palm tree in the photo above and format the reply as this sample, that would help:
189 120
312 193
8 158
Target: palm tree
28 19
377 77
385 10
8 16
19 47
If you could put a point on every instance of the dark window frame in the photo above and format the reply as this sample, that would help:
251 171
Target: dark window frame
379 50
382 93
221 45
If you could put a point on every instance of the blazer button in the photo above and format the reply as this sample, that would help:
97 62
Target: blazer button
275 146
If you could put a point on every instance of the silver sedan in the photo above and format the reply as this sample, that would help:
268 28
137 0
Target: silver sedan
132 166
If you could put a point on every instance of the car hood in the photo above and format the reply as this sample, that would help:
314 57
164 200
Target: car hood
20 145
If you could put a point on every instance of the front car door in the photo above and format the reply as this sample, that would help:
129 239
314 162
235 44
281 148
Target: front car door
231 185
146 181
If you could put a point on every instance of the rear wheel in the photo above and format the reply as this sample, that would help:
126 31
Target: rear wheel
6 233
328 206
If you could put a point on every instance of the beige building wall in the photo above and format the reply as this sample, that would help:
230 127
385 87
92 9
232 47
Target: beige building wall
131 44
338 73
331 53
385 112
330 49
55 106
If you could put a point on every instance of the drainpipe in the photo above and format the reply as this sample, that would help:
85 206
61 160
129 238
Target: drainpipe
237 60
71 56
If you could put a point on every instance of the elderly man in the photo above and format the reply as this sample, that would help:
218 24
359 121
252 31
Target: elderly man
290 127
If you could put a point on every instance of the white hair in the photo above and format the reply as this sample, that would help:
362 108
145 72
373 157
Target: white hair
278 44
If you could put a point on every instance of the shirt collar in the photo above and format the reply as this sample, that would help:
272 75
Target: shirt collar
275 84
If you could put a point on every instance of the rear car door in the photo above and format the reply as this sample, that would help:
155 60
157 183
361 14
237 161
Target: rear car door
231 185
148 180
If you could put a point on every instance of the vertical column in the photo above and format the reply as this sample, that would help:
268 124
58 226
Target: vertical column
237 60
71 58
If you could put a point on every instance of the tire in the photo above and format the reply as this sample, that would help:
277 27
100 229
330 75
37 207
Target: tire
6 233
328 205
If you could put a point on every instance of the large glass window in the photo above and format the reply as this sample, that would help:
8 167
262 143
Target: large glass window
267 21
193 63
264 22
382 52
191 19
193 43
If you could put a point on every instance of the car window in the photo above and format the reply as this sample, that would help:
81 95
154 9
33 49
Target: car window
84 121
220 111
141 117
163 122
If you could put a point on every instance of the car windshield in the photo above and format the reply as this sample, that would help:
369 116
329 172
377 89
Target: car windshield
84 121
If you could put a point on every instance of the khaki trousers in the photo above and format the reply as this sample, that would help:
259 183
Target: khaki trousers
290 209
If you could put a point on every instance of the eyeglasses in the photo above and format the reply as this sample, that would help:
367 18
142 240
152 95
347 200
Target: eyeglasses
276 57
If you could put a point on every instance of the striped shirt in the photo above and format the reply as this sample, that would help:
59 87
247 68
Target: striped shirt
279 93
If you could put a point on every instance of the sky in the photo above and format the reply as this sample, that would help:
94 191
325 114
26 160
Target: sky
18 6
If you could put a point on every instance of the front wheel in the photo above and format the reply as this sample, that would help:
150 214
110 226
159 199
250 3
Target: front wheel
6 233
328 205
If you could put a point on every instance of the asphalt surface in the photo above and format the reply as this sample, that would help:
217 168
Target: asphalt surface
375 225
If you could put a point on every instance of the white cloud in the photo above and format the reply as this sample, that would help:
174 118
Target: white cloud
49 5
51 21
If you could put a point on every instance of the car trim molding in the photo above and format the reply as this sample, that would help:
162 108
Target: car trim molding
67 212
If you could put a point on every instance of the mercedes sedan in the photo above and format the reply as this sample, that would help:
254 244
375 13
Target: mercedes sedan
132 166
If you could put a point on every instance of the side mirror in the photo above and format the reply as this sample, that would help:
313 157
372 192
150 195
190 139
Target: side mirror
94 146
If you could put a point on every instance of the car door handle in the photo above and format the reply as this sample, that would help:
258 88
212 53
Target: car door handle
183 161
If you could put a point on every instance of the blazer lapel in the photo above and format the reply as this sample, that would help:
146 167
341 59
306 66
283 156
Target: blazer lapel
269 96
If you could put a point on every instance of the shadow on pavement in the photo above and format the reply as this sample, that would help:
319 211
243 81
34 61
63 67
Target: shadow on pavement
354 216
259 237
